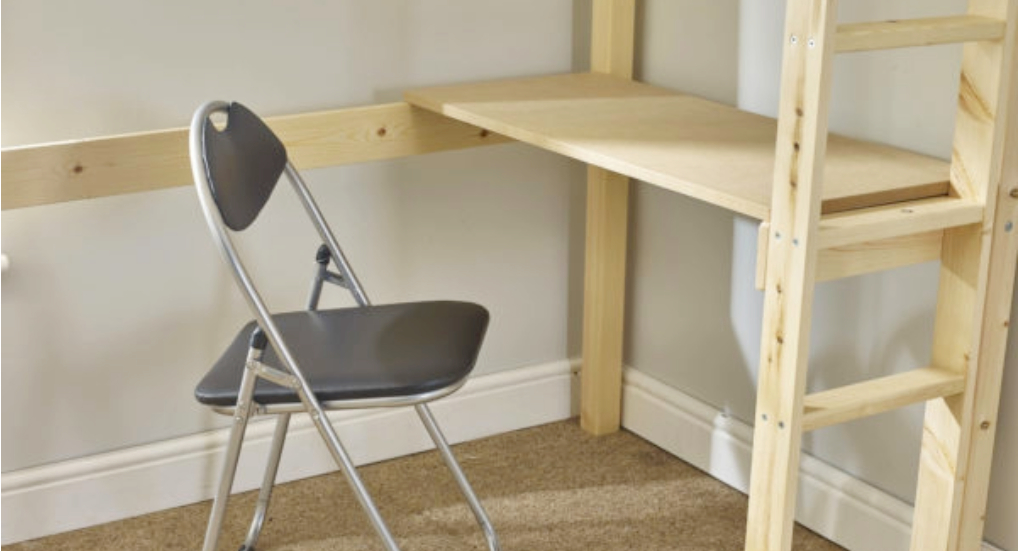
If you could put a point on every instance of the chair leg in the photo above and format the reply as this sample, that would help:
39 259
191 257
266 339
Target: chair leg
240 417
468 492
268 482
346 465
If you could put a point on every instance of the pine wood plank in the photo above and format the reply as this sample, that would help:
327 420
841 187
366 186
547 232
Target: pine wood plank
85 169
604 301
604 283
763 238
791 269
976 285
847 228
882 35
612 37
699 148
860 258
879 255
840 405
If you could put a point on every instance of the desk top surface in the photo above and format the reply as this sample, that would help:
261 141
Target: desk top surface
706 150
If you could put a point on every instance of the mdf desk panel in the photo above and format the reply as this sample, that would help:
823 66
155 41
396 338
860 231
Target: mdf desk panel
703 149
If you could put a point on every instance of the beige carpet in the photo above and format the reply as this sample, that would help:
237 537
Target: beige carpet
547 488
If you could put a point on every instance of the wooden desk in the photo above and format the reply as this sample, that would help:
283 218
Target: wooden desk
703 149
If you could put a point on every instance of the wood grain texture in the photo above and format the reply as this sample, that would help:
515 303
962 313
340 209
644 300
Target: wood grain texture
847 228
859 258
798 180
612 35
604 283
976 287
696 147
879 255
882 35
952 348
763 238
86 169
604 294
840 405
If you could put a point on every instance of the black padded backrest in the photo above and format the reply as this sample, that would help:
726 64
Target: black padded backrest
243 163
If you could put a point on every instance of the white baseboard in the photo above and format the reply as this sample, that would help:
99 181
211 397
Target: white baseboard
93 490
835 505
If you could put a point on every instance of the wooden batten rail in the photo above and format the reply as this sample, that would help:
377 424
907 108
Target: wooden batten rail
861 258
847 403
896 220
883 35
877 256
86 169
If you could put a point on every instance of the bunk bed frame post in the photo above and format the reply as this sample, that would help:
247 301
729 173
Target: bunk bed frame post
791 270
604 285
974 300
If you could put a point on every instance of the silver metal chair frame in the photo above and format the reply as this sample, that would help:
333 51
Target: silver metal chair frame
294 378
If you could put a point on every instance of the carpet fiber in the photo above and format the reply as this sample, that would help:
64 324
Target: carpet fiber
550 488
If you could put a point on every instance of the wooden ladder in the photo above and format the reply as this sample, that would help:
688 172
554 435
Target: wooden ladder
973 230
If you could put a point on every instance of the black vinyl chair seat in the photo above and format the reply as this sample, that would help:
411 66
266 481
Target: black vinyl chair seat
391 350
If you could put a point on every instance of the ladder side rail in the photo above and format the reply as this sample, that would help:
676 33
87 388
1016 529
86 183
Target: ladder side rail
976 287
791 269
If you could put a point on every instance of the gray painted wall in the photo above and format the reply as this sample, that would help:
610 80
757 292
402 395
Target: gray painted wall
113 308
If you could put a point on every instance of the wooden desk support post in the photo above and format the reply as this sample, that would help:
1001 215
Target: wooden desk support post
604 284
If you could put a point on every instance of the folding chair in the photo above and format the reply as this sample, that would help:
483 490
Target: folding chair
368 356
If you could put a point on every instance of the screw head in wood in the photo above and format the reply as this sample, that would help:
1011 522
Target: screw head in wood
985 425
1008 226
1014 193
812 43
794 39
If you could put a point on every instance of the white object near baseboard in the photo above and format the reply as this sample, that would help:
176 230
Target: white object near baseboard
121 484
111 486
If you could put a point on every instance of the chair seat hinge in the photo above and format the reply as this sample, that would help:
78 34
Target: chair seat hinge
277 376
337 279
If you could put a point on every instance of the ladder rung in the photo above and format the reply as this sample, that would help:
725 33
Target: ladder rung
882 35
897 219
875 396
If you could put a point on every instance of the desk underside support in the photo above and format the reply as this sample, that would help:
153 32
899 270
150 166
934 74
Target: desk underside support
791 270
